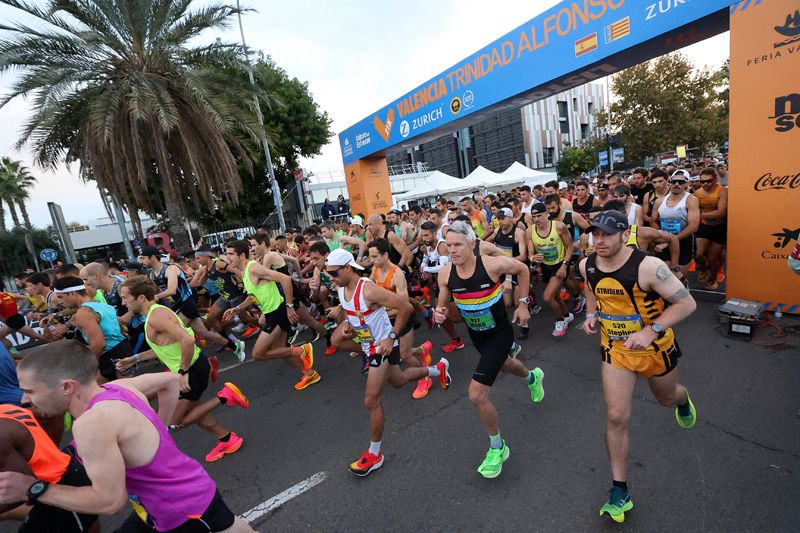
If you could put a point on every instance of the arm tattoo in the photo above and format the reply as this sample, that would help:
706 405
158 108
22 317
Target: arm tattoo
680 295
663 273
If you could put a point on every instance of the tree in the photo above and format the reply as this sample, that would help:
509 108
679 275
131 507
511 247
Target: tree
127 90
574 160
666 102
15 257
20 181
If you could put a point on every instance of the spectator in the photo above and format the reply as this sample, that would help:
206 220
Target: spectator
342 207
328 210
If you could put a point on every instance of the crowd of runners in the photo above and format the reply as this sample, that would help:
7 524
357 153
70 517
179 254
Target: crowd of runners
617 249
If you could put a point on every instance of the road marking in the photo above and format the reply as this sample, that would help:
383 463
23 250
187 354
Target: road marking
276 501
236 365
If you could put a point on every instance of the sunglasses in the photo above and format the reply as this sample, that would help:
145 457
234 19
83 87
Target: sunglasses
678 182
706 181
333 273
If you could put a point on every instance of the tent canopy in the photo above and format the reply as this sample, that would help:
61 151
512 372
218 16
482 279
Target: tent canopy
481 178
434 184
522 173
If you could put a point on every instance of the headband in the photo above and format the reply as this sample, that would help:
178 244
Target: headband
76 288
204 254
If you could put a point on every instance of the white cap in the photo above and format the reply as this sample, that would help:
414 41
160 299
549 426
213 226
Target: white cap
341 257
357 220
684 173
504 212
562 185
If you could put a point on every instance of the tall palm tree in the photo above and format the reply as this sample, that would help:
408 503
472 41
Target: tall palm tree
22 181
8 192
126 88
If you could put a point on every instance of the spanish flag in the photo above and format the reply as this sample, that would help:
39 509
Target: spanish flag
618 30
586 45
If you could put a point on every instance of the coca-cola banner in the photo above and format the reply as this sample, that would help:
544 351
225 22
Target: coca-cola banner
764 185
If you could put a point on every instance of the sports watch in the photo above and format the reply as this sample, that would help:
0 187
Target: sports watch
526 300
36 490
393 336
658 329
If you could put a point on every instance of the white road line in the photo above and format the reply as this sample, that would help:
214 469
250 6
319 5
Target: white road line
276 501
236 365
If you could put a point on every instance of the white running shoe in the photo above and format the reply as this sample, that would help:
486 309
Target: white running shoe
560 329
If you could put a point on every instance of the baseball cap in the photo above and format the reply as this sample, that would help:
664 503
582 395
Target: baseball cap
538 208
357 220
602 185
562 185
682 173
395 211
695 177
341 257
610 222
150 251
504 212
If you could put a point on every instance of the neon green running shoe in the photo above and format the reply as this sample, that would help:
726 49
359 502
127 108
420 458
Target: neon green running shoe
536 388
619 502
492 465
687 422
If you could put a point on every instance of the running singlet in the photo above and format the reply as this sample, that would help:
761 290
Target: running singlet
479 300
47 462
674 219
99 297
113 298
633 240
550 246
623 307
477 225
369 325
108 323
267 296
584 208
169 354
172 488
224 283
709 202
506 241
183 292
386 282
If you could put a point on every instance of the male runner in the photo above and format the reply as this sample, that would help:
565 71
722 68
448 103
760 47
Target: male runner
400 255
172 343
583 201
526 196
603 195
364 304
647 239
551 252
13 321
660 188
474 282
575 225
554 187
639 185
278 313
678 213
712 234
629 292
334 240
510 238
477 217
123 444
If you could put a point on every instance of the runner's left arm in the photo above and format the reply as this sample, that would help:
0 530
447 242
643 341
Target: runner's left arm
522 244
166 386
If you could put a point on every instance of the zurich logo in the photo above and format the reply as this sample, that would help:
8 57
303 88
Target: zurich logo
405 129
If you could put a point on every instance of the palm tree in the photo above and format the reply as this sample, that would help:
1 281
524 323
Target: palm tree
8 193
22 181
117 86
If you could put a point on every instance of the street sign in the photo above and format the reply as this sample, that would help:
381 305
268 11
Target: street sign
48 254
619 155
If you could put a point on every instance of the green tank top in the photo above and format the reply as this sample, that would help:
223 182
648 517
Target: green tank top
267 296
477 225
550 246
169 354
99 297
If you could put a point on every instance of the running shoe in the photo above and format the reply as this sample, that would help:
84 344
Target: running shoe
239 351
366 464
619 502
214 363
233 396
524 333
330 325
704 276
307 380
515 350
711 285
692 266
563 294
307 356
426 358
536 388
570 318
238 328
687 422
721 275
444 373
560 329
222 448
293 335
453 346
492 464
423 386
578 305
250 332
330 349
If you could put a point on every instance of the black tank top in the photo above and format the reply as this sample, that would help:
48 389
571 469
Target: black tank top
480 301
507 242
182 293
583 208
225 283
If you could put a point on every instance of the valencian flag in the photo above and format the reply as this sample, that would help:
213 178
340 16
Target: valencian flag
618 30
586 45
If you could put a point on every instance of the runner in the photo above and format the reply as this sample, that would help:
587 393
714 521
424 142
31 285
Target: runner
13 321
261 285
526 196
550 253
118 438
678 213
365 304
647 239
575 225
477 217
474 283
583 201
712 234
603 195
510 238
639 186
660 188
629 292
622 193
335 240
399 255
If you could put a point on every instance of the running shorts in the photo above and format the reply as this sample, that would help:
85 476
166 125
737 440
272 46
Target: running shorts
224 304
686 252
277 318
199 374
16 322
187 308
494 352
657 364
717 234
106 365
550 271
217 517
377 359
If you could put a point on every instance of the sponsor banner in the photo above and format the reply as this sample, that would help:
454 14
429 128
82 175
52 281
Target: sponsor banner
560 43
368 186
764 190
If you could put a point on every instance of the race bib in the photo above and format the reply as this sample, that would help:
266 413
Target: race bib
672 225
481 320
549 253
363 334
620 327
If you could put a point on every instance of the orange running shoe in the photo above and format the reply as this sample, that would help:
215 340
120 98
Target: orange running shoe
692 266
307 381
366 464
423 386
453 346
223 448
307 356
250 332
426 353
444 372
330 350
233 396
721 275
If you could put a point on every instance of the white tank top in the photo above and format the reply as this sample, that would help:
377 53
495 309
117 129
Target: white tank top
527 209
673 219
439 235
432 255
632 214
370 325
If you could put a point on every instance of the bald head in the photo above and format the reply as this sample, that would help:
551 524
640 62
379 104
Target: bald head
375 219
95 275
94 269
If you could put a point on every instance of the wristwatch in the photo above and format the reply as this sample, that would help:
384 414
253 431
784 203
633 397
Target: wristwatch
182 372
525 300
393 336
658 329
36 490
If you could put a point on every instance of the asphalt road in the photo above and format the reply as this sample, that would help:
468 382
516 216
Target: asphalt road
737 470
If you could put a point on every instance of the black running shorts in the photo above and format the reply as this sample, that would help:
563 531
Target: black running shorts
377 359
494 352
199 374
277 318
218 517
106 365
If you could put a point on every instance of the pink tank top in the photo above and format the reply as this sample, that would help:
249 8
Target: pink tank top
172 488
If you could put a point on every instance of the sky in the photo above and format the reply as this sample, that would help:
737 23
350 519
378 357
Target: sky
356 55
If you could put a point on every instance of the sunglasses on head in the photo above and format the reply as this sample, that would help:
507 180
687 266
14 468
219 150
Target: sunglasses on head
678 182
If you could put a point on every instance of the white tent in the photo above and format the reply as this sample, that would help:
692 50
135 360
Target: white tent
483 178
434 184
522 173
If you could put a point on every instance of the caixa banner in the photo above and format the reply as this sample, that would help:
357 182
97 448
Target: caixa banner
569 45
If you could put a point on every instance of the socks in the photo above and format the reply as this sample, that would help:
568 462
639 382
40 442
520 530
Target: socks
495 441
433 372
226 438
531 377
222 399
375 447
621 484
685 409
